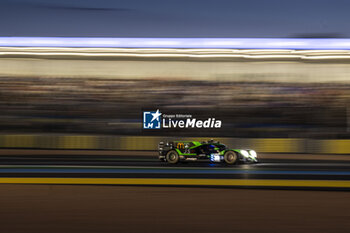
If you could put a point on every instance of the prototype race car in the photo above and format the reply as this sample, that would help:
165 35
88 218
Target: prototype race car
213 151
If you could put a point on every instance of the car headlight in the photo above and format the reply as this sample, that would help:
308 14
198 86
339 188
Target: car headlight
253 153
245 153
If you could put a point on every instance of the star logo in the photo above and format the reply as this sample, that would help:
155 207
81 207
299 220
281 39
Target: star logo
156 115
152 120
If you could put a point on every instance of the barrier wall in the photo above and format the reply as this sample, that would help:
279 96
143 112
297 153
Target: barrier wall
86 142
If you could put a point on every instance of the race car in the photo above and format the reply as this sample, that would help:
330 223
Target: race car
213 151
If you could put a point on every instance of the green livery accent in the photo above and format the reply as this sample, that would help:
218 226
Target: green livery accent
196 144
189 150
180 153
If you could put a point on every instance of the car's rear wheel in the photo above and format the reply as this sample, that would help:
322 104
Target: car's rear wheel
172 157
230 157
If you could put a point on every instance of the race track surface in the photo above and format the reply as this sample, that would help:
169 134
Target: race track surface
135 192
68 208
145 169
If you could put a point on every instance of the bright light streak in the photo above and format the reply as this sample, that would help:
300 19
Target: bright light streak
245 153
255 51
326 57
157 43
273 56
286 43
319 51
190 43
253 153
221 43
166 53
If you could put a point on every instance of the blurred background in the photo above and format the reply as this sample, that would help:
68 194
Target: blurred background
279 88
256 93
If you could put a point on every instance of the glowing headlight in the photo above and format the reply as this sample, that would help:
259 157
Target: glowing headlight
253 153
245 153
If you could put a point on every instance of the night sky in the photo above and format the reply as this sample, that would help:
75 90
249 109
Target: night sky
176 18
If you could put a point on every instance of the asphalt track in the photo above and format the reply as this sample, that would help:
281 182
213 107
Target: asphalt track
91 208
281 172
75 191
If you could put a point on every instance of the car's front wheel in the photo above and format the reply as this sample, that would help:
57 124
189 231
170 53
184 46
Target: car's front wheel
172 157
230 157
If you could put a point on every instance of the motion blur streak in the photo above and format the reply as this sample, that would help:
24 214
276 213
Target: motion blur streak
259 91
181 53
240 43
185 182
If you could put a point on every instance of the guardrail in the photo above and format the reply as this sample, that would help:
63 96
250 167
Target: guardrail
262 145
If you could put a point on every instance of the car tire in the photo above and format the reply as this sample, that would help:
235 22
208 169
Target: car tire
230 157
172 157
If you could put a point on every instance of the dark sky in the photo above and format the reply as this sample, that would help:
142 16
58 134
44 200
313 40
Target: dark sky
175 18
